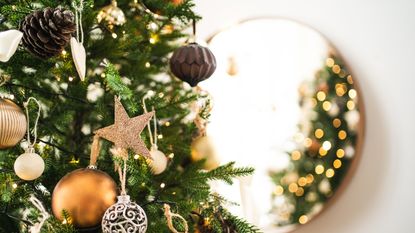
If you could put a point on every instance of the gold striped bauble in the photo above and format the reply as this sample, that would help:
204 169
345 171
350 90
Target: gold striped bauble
12 124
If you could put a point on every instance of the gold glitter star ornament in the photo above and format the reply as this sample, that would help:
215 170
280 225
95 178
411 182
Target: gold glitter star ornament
125 132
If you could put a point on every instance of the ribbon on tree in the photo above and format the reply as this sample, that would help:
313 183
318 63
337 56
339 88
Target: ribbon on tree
122 172
169 216
95 149
38 204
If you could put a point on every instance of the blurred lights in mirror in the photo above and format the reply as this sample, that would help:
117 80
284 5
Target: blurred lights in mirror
340 153
330 173
303 219
319 133
337 122
321 96
337 163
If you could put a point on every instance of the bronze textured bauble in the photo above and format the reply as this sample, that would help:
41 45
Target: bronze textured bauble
193 63
12 124
85 194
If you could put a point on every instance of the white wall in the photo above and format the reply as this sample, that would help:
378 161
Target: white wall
377 40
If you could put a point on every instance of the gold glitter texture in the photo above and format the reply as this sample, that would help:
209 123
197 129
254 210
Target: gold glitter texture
125 132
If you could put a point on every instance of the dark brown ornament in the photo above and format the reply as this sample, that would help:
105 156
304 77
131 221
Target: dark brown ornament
46 32
193 63
85 194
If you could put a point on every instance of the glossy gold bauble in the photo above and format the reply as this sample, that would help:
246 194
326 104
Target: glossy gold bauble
85 194
12 124
202 148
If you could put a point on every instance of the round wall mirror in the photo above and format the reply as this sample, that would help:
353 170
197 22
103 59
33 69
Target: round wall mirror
286 104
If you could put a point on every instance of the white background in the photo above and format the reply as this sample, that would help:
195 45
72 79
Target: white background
377 40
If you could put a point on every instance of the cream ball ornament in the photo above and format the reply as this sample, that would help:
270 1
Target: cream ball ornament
159 161
29 165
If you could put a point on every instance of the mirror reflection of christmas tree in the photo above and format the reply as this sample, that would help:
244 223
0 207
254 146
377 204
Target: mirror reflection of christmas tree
324 146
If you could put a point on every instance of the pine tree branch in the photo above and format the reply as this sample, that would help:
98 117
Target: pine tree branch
227 172
3 170
175 103
57 147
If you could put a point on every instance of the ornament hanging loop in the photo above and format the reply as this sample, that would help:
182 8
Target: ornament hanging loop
169 216
95 149
192 38
78 18
45 215
122 172
153 138
194 27
26 106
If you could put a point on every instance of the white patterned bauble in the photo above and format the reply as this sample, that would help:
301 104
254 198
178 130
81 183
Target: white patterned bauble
124 217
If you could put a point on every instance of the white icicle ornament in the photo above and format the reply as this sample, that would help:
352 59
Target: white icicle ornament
159 163
29 165
79 57
9 41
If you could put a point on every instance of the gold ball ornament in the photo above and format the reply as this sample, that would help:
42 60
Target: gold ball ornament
85 194
29 165
12 124
112 15
202 148
159 161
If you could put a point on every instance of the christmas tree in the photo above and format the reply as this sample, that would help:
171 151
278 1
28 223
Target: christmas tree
128 44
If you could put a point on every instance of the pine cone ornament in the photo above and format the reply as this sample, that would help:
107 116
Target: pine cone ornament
46 32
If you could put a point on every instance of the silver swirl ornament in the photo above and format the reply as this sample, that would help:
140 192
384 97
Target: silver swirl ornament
124 217
12 123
